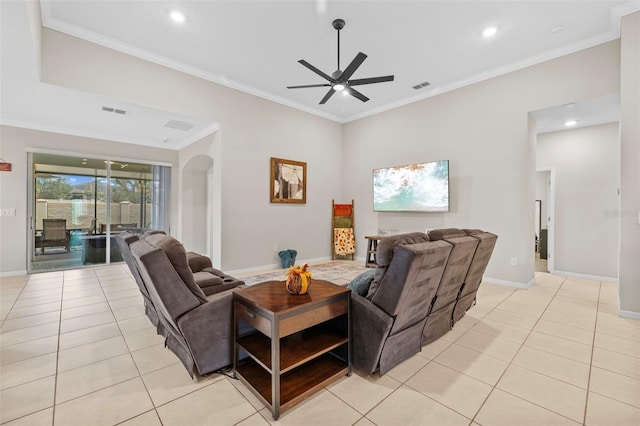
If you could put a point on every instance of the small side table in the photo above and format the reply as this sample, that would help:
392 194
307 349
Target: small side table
372 248
296 349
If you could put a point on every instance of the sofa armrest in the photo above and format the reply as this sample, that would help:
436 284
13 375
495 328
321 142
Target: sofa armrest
198 262
208 331
370 327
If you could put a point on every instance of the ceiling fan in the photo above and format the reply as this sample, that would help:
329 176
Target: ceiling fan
339 80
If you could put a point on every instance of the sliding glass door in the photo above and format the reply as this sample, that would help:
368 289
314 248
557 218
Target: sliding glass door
80 204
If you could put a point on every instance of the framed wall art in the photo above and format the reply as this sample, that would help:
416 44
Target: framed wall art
288 181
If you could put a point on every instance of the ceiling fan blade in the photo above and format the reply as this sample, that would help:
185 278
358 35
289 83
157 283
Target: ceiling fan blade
353 92
317 71
353 66
327 96
308 85
360 81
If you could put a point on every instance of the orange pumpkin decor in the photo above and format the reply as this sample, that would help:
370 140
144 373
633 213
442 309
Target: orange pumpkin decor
298 279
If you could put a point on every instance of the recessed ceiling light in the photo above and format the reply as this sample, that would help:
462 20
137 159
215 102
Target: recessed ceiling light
570 123
558 29
177 16
489 32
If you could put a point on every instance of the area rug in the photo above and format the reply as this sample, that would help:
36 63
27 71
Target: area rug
339 272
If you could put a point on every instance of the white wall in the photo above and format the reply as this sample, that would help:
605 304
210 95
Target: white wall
252 130
587 169
629 286
14 142
193 190
483 130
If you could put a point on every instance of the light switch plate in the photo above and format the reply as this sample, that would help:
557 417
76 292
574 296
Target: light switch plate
7 212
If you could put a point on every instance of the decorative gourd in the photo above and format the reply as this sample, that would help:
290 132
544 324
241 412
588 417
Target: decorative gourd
298 279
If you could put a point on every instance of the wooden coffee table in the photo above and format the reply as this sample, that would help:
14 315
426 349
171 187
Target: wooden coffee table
300 345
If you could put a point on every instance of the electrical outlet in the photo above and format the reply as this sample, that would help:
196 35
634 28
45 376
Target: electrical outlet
275 248
514 261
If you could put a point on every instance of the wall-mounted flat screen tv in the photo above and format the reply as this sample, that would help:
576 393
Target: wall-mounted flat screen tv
420 187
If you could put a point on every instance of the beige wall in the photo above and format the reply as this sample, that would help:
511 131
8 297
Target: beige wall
484 132
586 162
629 287
251 131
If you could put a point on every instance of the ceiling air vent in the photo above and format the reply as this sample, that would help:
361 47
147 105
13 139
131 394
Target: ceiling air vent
421 85
179 125
114 110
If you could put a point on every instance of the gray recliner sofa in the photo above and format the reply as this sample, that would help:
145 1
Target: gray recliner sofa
417 293
440 317
196 321
467 295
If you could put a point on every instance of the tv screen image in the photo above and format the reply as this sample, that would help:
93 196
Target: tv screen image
420 187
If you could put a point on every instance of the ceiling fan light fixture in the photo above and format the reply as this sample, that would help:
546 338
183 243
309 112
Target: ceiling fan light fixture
489 32
340 80
177 16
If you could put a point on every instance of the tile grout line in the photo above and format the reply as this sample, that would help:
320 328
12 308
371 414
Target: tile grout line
132 359
97 390
55 375
55 382
361 416
593 345
429 361
515 355
14 302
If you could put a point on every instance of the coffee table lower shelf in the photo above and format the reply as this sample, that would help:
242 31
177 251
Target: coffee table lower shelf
296 385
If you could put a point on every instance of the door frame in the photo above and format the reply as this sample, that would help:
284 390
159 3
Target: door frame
550 217
30 237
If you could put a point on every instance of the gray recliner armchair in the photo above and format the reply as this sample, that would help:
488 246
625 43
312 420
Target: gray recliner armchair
197 327
387 324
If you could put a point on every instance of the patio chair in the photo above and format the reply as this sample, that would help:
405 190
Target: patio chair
54 234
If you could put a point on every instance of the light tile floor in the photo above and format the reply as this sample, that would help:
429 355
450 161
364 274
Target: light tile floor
76 349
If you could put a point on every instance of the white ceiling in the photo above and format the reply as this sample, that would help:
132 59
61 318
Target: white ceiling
254 46
605 109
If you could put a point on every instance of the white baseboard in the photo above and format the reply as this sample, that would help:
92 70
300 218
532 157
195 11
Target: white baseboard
509 283
276 266
586 276
13 273
629 314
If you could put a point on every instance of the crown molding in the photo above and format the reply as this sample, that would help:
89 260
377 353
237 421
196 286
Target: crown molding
616 14
107 42
496 72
